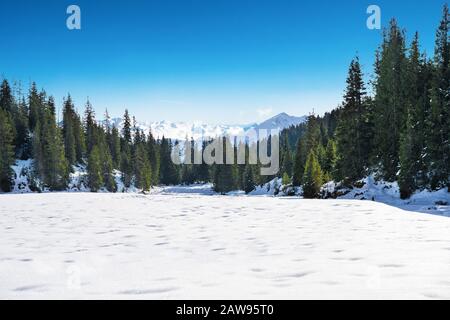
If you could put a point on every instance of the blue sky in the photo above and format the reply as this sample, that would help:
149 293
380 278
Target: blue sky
219 61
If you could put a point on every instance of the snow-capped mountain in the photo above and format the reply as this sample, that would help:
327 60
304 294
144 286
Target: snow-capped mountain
282 121
199 130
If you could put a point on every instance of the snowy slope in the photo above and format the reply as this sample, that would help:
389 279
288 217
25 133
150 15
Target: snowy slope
97 246
199 130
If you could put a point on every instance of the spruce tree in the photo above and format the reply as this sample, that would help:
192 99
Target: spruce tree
154 158
438 140
286 157
126 166
249 182
331 158
412 173
390 101
224 175
23 139
202 172
7 102
68 132
126 130
94 169
19 116
35 105
299 167
353 157
49 158
312 135
6 151
312 178
286 180
51 106
143 171
406 179
107 168
57 166
168 174
114 146
89 126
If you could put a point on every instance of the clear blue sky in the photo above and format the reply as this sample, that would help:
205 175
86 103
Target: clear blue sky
230 61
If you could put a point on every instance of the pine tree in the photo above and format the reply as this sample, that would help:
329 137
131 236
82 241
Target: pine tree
331 158
143 171
223 178
23 139
168 172
89 126
353 158
154 158
312 136
412 173
94 169
286 157
224 175
126 130
114 146
49 158
406 179
7 102
38 156
249 183
35 105
202 172
6 150
126 166
68 132
286 180
299 167
312 179
19 116
321 155
390 101
438 139
73 133
51 105
107 169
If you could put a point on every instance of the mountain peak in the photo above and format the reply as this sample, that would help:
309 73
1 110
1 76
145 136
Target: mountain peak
198 130
282 121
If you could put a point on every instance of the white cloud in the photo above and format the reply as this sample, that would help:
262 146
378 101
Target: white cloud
265 112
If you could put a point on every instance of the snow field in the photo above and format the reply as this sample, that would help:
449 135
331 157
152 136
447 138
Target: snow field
188 246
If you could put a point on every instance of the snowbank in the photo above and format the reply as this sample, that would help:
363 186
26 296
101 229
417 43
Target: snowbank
435 202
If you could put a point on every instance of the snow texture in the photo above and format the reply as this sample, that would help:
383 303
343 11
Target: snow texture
172 245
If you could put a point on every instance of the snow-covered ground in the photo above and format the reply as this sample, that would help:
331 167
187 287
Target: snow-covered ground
191 246
436 202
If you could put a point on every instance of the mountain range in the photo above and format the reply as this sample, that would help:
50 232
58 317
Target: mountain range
199 130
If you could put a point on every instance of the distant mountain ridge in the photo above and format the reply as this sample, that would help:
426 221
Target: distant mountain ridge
199 130
282 121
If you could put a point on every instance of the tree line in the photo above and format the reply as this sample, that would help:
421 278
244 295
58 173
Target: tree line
399 133
29 129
